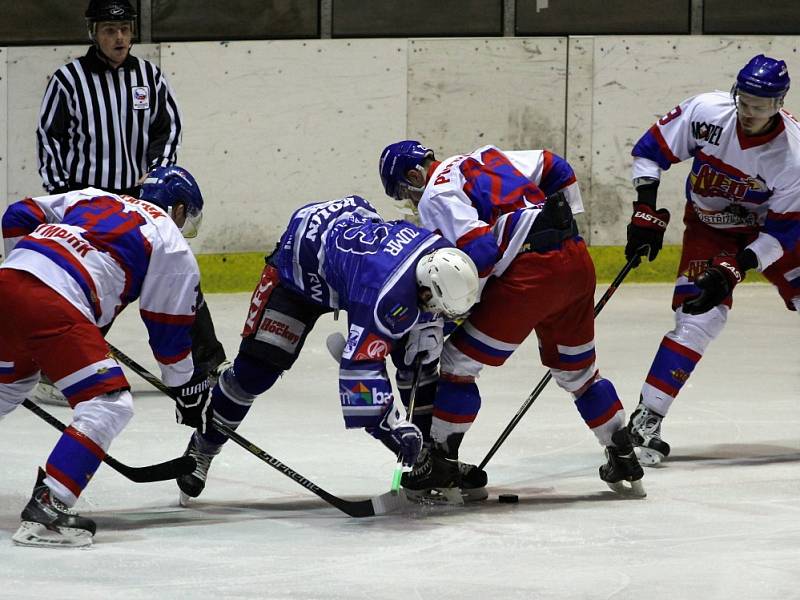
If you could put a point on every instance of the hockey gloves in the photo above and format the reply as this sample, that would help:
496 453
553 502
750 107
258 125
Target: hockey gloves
400 436
716 283
193 402
425 340
646 232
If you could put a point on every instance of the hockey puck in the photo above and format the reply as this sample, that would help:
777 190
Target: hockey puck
508 498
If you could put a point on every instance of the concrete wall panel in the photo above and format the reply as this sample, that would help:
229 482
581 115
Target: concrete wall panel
3 128
274 125
509 92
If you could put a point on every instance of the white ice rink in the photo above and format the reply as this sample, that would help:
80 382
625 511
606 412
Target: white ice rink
721 520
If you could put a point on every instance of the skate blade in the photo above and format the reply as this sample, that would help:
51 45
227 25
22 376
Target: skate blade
37 535
628 489
436 497
184 499
474 494
49 395
648 457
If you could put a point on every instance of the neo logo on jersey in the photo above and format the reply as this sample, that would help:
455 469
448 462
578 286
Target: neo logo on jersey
707 131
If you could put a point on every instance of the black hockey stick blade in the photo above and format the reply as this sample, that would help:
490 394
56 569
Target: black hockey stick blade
379 505
170 469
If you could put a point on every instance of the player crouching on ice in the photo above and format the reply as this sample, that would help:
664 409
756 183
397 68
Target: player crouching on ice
75 260
512 213
394 280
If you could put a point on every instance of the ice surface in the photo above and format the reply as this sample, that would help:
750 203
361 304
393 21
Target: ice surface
721 520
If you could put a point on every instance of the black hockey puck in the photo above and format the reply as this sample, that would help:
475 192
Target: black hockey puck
508 498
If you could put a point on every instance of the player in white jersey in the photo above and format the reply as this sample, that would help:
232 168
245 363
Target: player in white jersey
742 212
512 213
74 261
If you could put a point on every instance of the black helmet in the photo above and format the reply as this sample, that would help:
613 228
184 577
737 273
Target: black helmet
110 10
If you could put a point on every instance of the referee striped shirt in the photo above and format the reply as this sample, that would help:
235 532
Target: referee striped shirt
105 127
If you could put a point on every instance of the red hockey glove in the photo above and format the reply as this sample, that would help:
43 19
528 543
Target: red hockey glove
646 232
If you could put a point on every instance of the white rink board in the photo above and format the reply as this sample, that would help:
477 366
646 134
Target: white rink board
720 520
637 80
271 126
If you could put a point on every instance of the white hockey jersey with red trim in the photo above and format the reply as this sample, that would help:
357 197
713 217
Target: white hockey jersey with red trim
485 202
101 252
737 183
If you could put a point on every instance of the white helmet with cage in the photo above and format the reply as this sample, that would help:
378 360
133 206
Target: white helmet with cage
452 279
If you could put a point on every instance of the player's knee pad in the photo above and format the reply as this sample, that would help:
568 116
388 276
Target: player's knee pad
696 332
103 417
12 394
276 332
457 364
572 381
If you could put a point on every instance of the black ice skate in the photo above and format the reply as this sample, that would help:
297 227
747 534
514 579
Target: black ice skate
48 522
192 485
645 429
434 479
473 482
623 467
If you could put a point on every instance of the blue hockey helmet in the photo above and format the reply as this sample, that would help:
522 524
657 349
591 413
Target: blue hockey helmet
398 159
167 186
764 77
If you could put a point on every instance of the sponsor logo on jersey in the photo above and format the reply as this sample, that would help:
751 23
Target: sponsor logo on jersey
360 395
260 295
733 215
694 269
150 209
353 336
141 97
708 182
55 231
280 330
372 348
401 239
707 131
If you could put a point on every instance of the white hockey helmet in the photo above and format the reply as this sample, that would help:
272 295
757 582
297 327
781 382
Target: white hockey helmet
452 278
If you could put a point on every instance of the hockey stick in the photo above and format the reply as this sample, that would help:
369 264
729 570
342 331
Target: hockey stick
398 469
161 472
378 505
548 376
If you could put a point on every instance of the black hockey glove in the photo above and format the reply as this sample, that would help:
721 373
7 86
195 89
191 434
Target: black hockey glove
646 232
716 283
193 402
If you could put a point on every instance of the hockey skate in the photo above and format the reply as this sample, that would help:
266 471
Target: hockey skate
473 482
49 523
192 485
434 480
623 467
645 430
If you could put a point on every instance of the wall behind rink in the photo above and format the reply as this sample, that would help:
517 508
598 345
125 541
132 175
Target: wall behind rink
270 125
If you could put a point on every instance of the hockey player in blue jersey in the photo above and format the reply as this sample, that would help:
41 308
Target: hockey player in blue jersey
74 261
742 213
394 280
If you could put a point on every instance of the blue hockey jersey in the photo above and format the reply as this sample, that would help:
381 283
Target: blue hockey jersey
342 255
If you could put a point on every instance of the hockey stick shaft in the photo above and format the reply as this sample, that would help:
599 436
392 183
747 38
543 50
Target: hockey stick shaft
160 472
359 508
548 376
398 469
